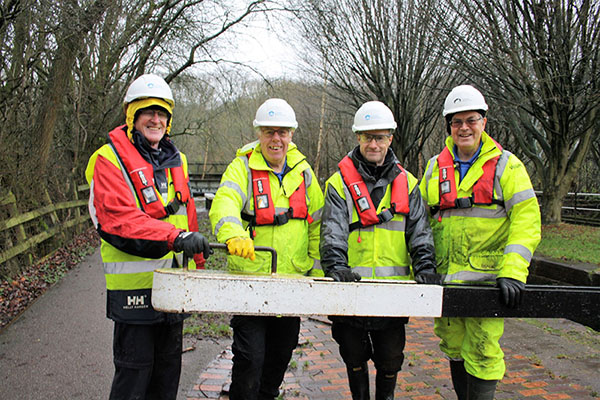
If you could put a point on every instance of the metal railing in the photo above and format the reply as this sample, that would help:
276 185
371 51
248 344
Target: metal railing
580 208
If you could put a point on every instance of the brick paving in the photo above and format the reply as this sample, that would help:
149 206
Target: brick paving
317 372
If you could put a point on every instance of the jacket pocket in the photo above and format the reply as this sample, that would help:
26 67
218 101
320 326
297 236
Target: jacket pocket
485 262
302 266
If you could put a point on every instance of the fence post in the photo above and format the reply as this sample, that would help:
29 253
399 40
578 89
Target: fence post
77 213
10 201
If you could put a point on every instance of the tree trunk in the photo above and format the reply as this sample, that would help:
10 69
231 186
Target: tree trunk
552 202
70 42
321 123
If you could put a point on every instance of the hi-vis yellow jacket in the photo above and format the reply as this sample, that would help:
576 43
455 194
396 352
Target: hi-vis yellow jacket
483 242
134 243
297 241
395 249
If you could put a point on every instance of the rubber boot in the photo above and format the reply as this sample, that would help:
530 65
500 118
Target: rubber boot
459 378
480 389
385 383
358 378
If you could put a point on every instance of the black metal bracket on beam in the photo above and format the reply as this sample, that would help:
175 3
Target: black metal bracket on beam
577 303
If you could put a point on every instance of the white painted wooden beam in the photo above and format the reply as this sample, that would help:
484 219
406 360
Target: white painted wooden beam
212 291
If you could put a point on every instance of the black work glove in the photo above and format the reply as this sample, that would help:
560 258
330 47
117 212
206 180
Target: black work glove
342 274
511 291
192 243
429 276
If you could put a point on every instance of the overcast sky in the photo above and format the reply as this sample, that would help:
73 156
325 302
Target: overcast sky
267 50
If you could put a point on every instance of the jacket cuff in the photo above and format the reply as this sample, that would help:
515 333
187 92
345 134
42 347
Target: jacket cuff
199 260
171 239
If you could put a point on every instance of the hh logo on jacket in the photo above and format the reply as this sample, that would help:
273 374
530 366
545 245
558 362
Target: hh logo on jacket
136 302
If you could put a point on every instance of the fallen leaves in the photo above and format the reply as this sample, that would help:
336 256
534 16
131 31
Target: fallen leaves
17 294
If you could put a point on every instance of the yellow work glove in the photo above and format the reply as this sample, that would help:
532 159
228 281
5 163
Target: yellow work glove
241 246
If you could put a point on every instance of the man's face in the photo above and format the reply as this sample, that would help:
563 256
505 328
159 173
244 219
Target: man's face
274 141
374 145
152 123
466 128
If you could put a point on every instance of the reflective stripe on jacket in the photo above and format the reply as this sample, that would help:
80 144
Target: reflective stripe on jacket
297 241
483 242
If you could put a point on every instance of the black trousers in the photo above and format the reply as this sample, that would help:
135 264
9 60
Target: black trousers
384 346
262 348
147 361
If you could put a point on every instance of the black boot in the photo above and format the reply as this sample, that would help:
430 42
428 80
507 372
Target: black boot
385 383
480 389
459 378
358 378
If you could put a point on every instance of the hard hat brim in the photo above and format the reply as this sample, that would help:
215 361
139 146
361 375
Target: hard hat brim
465 108
283 124
375 127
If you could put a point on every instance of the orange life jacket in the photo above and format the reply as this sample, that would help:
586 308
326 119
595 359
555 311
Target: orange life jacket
483 190
141 175
264 208
367 213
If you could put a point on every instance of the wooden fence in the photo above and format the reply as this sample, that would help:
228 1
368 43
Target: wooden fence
22 233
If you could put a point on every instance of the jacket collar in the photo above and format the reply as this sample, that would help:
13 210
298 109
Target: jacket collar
258 162
488 149
166 156
371 172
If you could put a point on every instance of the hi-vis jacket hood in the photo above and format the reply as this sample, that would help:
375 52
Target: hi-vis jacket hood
483 242
297 241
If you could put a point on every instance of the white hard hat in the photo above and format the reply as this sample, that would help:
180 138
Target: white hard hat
149 85
275 112
373 115
464 98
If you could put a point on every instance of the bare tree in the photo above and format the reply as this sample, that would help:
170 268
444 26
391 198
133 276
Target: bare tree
66 63
64 67
539 64
381 50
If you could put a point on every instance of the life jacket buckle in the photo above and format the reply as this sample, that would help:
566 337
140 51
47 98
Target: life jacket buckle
173 206
281 219
385 216
464 202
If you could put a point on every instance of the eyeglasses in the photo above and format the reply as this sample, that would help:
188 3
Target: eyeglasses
457 123
379 139
150 113
283 133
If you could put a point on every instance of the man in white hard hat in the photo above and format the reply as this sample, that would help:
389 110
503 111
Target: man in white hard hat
486 223
268 196
141 206
374 225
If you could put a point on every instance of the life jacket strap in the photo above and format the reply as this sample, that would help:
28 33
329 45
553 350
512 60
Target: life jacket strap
383 217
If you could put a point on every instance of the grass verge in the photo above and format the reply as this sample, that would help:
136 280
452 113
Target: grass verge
567 242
